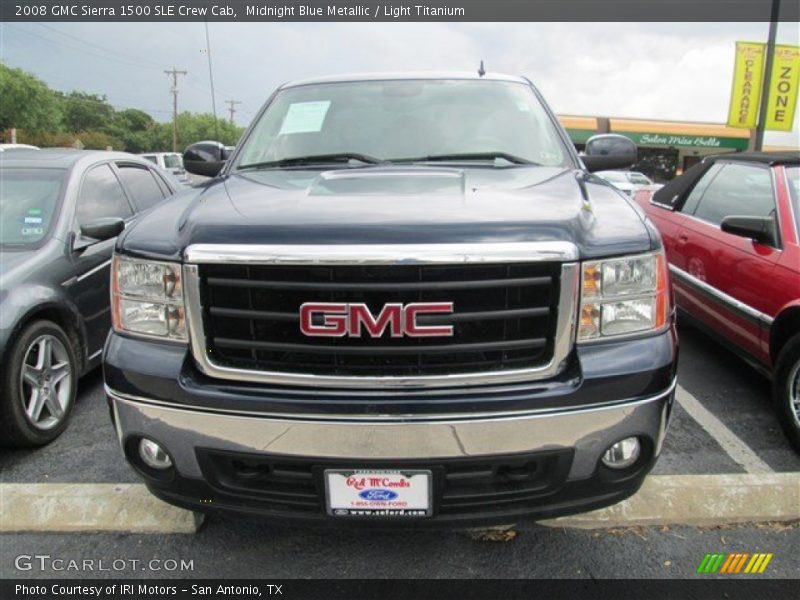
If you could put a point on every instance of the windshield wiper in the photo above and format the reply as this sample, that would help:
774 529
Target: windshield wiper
315 159
470 156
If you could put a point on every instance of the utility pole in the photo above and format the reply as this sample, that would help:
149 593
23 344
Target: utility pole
762 111
232 104
174 72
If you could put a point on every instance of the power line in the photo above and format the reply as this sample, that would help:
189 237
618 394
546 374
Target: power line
174 72
231 107
146 64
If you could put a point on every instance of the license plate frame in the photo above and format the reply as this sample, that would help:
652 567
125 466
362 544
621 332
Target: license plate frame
343 500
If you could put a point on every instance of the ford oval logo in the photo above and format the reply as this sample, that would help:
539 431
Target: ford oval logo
378 495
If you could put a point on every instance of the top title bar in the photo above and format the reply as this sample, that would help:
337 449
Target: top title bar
398 11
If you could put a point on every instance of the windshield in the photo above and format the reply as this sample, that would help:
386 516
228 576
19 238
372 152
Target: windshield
173 161
638 179
405 120
28 202
793 177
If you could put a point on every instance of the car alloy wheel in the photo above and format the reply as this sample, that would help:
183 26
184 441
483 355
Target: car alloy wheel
45 382
794 392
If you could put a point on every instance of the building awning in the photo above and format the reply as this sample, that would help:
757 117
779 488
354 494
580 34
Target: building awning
579 129
676 134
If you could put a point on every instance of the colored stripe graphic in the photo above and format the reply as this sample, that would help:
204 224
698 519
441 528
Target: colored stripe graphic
734 563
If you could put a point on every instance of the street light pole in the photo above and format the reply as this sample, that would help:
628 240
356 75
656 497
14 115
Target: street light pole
762 111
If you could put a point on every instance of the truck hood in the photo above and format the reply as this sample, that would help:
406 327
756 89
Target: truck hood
395 205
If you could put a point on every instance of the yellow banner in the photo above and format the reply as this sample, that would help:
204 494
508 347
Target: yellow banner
783 86
748 75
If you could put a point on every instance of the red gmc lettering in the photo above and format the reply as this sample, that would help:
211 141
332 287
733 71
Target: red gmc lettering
340 319
361 315
411 312
334 323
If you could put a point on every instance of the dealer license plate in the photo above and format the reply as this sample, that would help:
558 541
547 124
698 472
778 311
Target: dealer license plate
378 493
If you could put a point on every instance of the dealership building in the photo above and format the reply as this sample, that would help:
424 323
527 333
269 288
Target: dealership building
666 148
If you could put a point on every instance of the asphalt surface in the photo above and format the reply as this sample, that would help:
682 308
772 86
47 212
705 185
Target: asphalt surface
235 549
739 397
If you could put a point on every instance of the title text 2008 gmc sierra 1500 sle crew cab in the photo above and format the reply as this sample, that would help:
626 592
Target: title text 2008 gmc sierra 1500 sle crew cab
400 299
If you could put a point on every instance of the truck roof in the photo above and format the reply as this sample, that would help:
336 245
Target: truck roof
405 75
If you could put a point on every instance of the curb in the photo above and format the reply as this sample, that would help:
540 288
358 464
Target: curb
698 500
93 507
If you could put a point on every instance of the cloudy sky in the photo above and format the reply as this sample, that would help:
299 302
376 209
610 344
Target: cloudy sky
648 70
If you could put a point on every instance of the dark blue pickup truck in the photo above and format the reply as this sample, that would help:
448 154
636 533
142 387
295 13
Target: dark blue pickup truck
400 300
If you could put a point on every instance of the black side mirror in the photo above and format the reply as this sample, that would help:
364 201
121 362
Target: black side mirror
205 158
98 230
760 229
609 151
103 228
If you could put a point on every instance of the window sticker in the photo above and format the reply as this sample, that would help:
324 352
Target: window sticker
33 220
305 117
32 231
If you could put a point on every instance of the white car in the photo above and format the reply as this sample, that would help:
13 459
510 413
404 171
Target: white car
170 162
629 182
6 147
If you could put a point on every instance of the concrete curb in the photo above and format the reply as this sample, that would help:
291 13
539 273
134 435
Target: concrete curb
95 507
699 500
662 500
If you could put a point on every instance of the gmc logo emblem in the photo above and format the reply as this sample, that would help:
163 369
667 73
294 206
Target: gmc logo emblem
340 319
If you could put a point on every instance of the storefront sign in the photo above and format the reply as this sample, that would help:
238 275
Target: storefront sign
748 75
695 141
783 88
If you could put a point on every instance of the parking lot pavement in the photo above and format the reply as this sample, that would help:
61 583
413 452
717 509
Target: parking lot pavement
236 549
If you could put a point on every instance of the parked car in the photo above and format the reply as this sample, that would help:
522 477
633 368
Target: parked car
170 162
60 211
629 182
402 298
730 226
7 147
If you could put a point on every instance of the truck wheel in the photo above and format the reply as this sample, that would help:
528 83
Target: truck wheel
786 390
39 382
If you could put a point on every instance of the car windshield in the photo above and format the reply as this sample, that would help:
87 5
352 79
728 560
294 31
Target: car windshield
638 179
173 161
793 176
28 202
614 176
405 120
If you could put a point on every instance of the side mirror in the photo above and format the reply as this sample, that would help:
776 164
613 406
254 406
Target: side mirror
609 151
98 230
760 229
205 158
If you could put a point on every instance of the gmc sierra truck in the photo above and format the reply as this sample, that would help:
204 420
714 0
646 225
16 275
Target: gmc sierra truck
400 299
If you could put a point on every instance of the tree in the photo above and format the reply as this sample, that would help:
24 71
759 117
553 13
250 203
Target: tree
194 128
133 128
86 111
26 102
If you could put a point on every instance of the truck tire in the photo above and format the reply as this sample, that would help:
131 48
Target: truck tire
38 384
786 390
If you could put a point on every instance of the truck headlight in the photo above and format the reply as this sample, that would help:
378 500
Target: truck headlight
147 298
624 296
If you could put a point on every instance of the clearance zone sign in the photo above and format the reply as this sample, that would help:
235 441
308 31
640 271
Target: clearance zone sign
748 77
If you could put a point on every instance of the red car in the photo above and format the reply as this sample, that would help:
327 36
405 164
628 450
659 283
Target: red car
731 229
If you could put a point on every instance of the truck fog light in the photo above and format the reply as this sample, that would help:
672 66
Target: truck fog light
622 454
154 455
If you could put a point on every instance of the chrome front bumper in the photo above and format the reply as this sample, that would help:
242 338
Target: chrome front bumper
588 431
